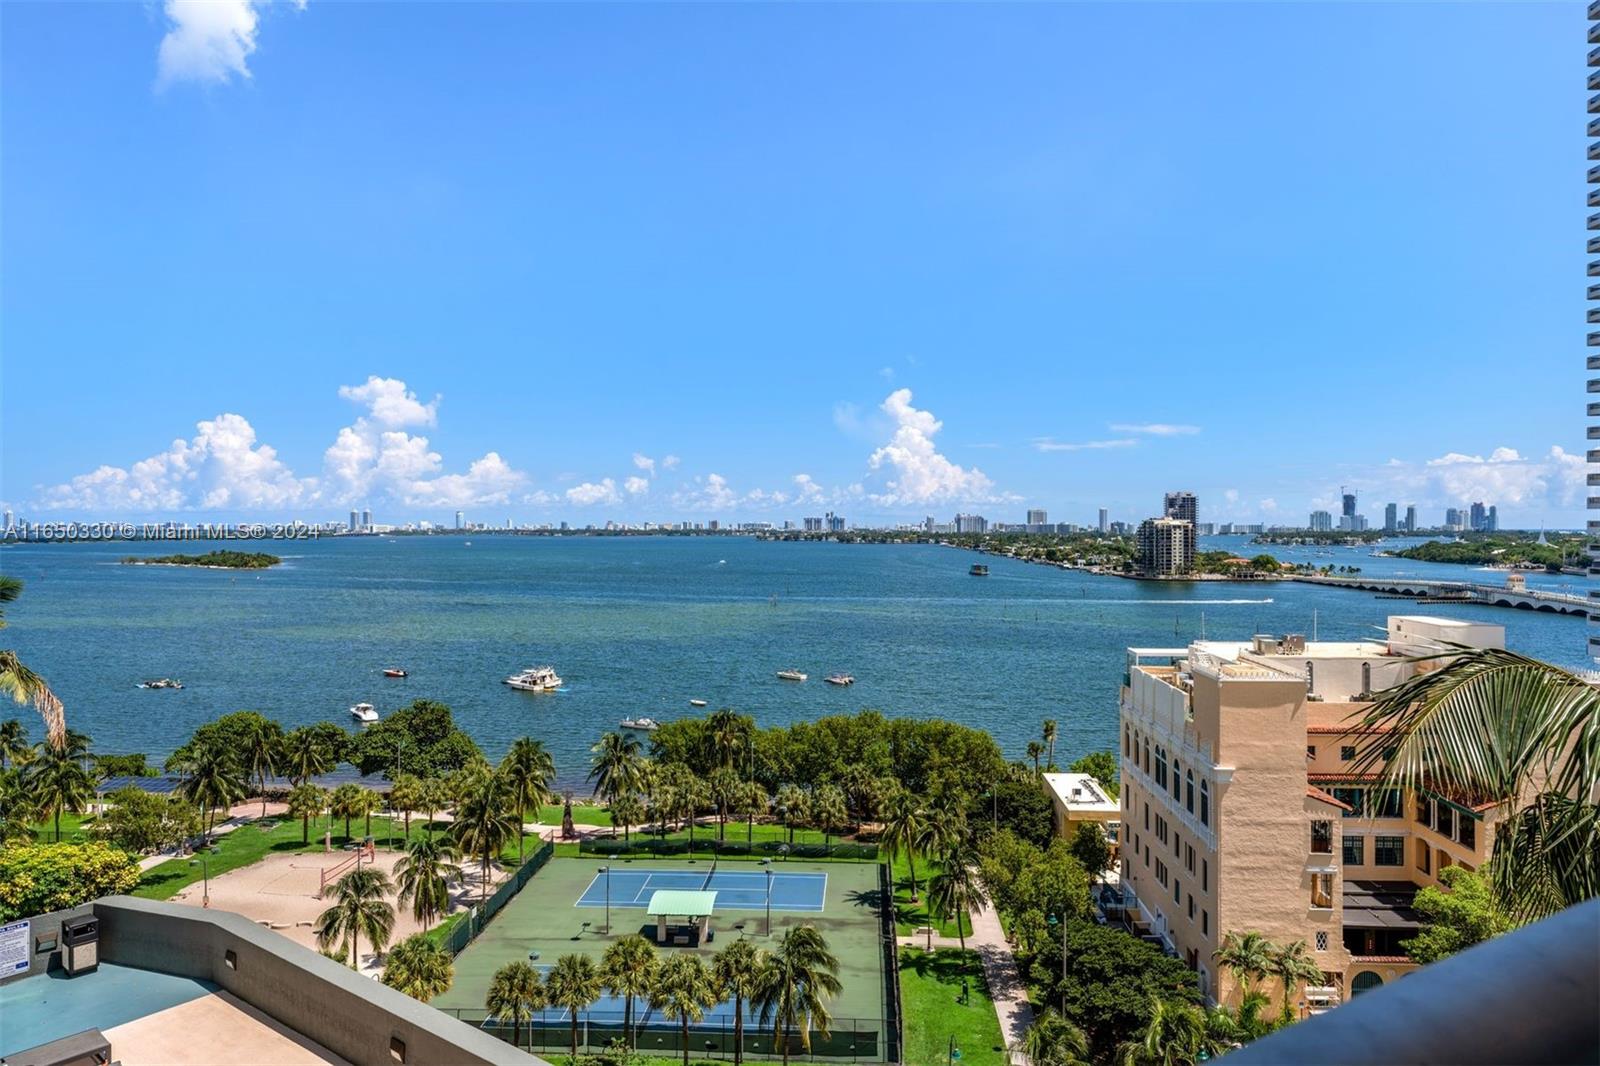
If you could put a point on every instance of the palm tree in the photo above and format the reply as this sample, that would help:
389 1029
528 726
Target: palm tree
727 736
956 888
405 796
305 754
54 780
1053 1041
574 983
1175 1035
424 877
1248 956
737 970
516 992
828 811
1292 964
795 986
435 796
346 802
16 815
484 823
903 829
691 794
626 810
360 907
684 990
724 787
369 802
1049 734
753 800
793 805
614 767
419 968
307 801
1035 751
25 686
212 779
628 969
529 771
261 753
1501 727
14 746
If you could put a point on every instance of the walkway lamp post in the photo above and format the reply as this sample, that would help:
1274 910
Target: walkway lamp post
205 872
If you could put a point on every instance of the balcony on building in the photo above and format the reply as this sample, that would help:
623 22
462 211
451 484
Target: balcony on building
1378 917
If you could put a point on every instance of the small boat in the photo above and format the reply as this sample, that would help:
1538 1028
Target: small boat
535 679
979 570
394 672
840 679
697 703
640 725
791 675
161 682
364 713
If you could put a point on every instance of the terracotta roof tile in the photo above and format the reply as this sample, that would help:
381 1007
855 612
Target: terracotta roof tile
1318 794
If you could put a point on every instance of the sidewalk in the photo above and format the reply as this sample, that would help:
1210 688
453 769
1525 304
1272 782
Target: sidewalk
1006 988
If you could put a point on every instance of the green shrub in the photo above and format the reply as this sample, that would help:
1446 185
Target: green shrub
37 878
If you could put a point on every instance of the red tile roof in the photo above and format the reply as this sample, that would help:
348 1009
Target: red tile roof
1318 794
1346 730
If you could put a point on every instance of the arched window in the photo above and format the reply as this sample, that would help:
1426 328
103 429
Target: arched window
1125 742
1205 803
1176 790
1147 755
1311 676
1188 783
1366 677
1365 981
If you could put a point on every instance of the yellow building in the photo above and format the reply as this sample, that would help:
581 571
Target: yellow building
1076 798
1241 811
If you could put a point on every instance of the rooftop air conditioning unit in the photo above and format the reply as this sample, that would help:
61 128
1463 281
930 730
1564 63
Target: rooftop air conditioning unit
1295 644
1265 645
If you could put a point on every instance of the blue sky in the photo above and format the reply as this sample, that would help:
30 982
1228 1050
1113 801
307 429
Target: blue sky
1253 250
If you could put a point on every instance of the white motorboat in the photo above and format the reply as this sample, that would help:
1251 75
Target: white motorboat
640 725
697 703
840 679
364 713
535 679
791 675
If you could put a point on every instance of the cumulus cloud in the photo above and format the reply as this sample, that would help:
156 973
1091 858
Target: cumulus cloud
636 486
209 41
921 474
806 490
645 463
594 492
1505 476
225 468
669 462
1050 444
710 493
222 466
1155 429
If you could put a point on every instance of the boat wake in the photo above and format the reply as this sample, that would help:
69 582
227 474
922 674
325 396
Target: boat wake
1202 603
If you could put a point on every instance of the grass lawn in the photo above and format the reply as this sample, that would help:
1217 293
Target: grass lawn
582 813
74 828
250 843
909 917
930 998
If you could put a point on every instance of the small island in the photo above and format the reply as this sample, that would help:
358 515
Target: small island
218 560
1508 550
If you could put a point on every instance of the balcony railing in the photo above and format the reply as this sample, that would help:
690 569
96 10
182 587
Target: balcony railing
1532 996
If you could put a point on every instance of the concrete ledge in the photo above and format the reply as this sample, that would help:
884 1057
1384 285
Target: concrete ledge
352 1016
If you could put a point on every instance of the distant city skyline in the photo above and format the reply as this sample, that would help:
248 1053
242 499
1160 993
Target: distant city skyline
871 286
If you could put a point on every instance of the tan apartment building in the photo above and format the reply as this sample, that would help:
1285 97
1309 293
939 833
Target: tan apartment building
1241 810
1076 798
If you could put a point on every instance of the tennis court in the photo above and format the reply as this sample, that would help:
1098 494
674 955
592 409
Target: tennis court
737 890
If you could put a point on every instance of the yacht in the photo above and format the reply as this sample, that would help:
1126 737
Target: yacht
791 675
697 703
979 570
394 671
364 713
640 725
161 682
840 679
535 679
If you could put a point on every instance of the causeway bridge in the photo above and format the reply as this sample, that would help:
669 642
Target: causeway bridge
1524 599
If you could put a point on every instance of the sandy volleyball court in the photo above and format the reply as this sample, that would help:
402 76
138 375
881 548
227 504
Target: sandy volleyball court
281 893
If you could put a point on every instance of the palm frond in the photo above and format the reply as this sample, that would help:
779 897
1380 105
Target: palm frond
25 686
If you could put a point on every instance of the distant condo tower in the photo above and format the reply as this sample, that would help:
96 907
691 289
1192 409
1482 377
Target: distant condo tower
1105 521
354 521
461 520
1184 507
1391 517
1411 518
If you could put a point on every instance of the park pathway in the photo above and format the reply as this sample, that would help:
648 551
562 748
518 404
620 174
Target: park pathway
1006 987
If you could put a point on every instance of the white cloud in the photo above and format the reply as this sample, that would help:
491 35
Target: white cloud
390 403
594 492
1231 496
1048 444
209 41
669 462
645 463
711 493
1268 505
637 486
221 467
806 490
1506 477
1154 429
488 480
922 474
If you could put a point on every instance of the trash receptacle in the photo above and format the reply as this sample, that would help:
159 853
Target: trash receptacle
80 942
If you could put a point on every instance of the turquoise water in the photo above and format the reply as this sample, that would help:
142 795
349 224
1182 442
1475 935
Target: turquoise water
641 625
50 1006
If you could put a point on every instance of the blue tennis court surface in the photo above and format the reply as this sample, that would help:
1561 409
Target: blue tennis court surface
737 890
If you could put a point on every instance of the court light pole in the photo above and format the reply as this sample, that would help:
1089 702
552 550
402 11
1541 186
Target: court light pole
768 864
607 871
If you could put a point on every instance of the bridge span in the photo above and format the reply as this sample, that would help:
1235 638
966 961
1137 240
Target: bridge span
1524 599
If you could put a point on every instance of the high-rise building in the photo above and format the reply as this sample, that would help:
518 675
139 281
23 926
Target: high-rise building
812 525
1243 807
835 523
1349 499
1105 521
1491 521
971 523
11 520
1391 517
355 521
1452 518
1037 518
366 518
1184 507
1411 518
461 520
1165 546
1321 522
1477 514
